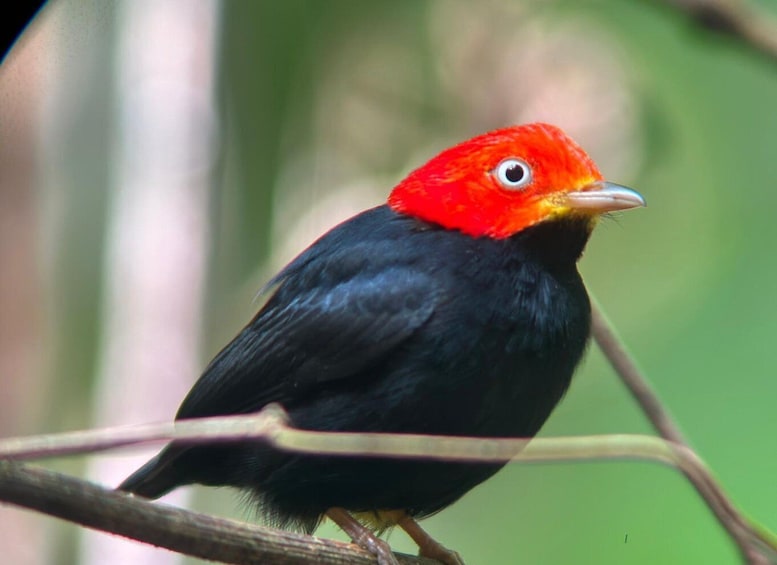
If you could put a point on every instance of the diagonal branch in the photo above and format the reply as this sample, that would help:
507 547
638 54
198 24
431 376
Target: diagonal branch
743 22
751 541
613 348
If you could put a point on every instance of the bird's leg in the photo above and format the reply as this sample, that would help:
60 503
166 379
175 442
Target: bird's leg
427 545
362 537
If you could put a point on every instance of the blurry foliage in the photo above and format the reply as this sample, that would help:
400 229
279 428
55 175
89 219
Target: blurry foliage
330 103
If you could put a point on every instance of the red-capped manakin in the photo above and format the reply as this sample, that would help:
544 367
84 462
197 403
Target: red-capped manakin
456 308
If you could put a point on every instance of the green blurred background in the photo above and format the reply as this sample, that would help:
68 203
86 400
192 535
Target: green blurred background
315 110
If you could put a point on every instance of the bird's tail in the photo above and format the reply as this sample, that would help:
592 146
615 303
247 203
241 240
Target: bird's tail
152 480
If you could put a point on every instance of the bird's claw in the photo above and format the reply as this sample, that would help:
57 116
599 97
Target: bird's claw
442 554
376 546
382 551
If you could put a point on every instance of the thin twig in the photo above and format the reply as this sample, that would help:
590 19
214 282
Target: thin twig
261 425
626 368
271 425
749 539
740 20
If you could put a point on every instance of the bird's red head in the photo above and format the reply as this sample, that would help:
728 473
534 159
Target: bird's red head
504 181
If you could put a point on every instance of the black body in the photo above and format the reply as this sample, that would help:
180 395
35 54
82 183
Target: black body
390 324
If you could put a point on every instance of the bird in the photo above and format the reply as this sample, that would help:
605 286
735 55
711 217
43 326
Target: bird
455 308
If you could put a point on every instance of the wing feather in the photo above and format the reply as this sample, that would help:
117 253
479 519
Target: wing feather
302 340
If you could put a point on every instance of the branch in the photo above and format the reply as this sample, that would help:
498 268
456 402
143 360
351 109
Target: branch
183 531
751 27
78 501
753 543
270 426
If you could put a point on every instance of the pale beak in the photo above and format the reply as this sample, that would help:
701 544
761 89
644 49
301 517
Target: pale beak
600 197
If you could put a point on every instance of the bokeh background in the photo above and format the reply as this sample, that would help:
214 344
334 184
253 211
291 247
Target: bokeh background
160 159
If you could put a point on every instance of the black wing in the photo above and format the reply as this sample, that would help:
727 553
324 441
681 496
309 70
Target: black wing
309 334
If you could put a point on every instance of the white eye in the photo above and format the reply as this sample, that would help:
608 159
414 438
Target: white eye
513 173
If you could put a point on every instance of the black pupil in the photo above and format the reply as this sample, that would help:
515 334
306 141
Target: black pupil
515 173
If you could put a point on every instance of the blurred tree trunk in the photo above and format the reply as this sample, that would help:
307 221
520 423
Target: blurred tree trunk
157 232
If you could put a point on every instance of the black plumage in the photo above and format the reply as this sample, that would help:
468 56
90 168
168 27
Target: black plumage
391 324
